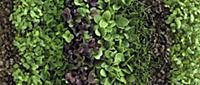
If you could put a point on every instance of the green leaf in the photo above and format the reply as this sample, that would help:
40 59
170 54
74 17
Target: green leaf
68 36
189 50
58 82
25 11
107 54
112 23
103 73
47 83
97 18
15 66
124 1
121 21
83 11
106 82
118 58
26 65
103 23
97 31
34 66
127 1
130 68
86 35
78 3
122 79
116 7
105 66
103 32
34 15
37 33
178 23
131 78
191 18
106 15
126 71
100 53
107 1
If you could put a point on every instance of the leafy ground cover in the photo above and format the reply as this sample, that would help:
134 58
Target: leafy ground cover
78 18
112 57
124 40
184 22
40 38
99 42
105 42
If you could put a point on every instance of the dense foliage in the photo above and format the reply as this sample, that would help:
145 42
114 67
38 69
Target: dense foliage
78 17
40 39
124 40
184 22
101 42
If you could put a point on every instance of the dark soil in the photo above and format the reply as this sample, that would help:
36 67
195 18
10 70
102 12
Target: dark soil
161 42
8 54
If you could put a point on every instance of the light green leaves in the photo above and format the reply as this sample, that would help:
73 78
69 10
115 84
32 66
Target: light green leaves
130 68
86 35
106 15
34 66
131 78
83 11
100 53
121 21
97 18
68 36
107 82
39 38
178 22
27 66
122 79
118 58
102 20
37 33
103 73
96 28
97 32
116 7
127 1
116 34
103 24
79 2
107 1
184 21
33 14
191 18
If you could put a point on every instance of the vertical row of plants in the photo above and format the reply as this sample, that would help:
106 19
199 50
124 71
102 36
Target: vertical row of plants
80 52
185 23
40 38
124 39
110 42
160 42
106 42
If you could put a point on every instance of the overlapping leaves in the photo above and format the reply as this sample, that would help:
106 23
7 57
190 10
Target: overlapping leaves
184 21
80 51
122 38
40 37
